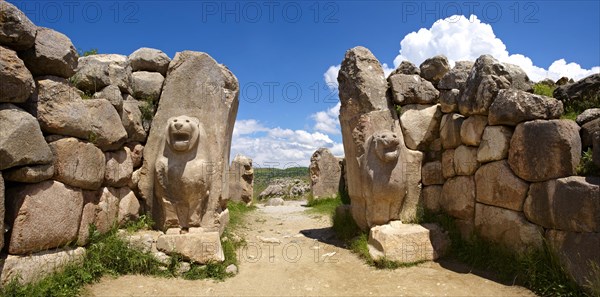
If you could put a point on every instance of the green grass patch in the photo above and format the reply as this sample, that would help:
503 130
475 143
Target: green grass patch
586 166
324 206
237 210
570 115
543 89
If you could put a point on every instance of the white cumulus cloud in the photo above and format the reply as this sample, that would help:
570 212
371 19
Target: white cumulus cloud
327 121
330 77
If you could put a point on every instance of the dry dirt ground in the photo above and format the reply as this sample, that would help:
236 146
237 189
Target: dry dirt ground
309 262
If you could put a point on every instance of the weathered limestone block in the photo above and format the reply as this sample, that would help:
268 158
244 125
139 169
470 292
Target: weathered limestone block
570 204
420 125
458 197
541 150
434 68
16 82
432 198
136 151
147 85
129 208
497 185
406 67
495 143
43 216
576 251
412 89
587 131
30 174
95 72
448 164
52 54
119 168
100 208
513 106
587 116
325 174
17 31
132 121
78 164
431 173
457 77
21 141
149 59
203 97
408 243
465 160
507 227
201 247
107 131
112 93
241 179
32 268
448 100
472 130
450 130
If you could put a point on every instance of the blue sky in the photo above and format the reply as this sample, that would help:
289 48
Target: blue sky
281 51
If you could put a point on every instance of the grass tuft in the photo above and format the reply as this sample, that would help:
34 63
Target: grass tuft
586 166
324 206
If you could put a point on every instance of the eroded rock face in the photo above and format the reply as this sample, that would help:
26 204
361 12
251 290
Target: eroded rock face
472 130
2 209
448 100
16 82
129 208
450 130
52 54
196 87
570 204
432 198
534 143
457 77
21 141
406 67
432 173
465 160
100 208
78 164
147 85
433 69
458 197
497 185
412 89
202 247
112 93
241 179
325 173
30 174
31 268
16 30
107 132
119 168
420 125
587 116
596 152
149 59
495 143
95 72
131 119
513 106
587 131
43 216
587 89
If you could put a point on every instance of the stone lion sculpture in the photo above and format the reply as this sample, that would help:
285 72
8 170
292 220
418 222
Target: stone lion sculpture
182 182
383 178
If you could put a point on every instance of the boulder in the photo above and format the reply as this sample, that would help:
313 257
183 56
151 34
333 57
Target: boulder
587 131
448 100
147 85
137 151
448 164
432 198
495 143
325 174
458 197
52 54
16 82
30 174
569 204
584 90
201 247
534 143
406 67
2 209
241 179
205 93
16 30
587 116
431 174
507 227
576 252
107 131
95 72
497 185
112 93
129 207
21 141
487 77
513 106
472 130
407 243
119 168
43 216
78 164
412 89
450 130
434 68
59 108
457 77
100 208
132 121
32 268
277 201
420 125
149 59
596 152
465 160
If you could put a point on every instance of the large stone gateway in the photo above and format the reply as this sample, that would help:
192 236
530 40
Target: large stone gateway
184 179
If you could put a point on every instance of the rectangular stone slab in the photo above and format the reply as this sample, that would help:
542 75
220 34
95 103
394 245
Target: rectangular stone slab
201 247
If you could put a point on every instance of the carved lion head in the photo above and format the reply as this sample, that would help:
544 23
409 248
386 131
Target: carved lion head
386 145
182 133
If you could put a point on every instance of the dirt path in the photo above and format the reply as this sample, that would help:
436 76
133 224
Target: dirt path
307 262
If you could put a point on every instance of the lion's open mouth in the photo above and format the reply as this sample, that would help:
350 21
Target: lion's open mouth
181 136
